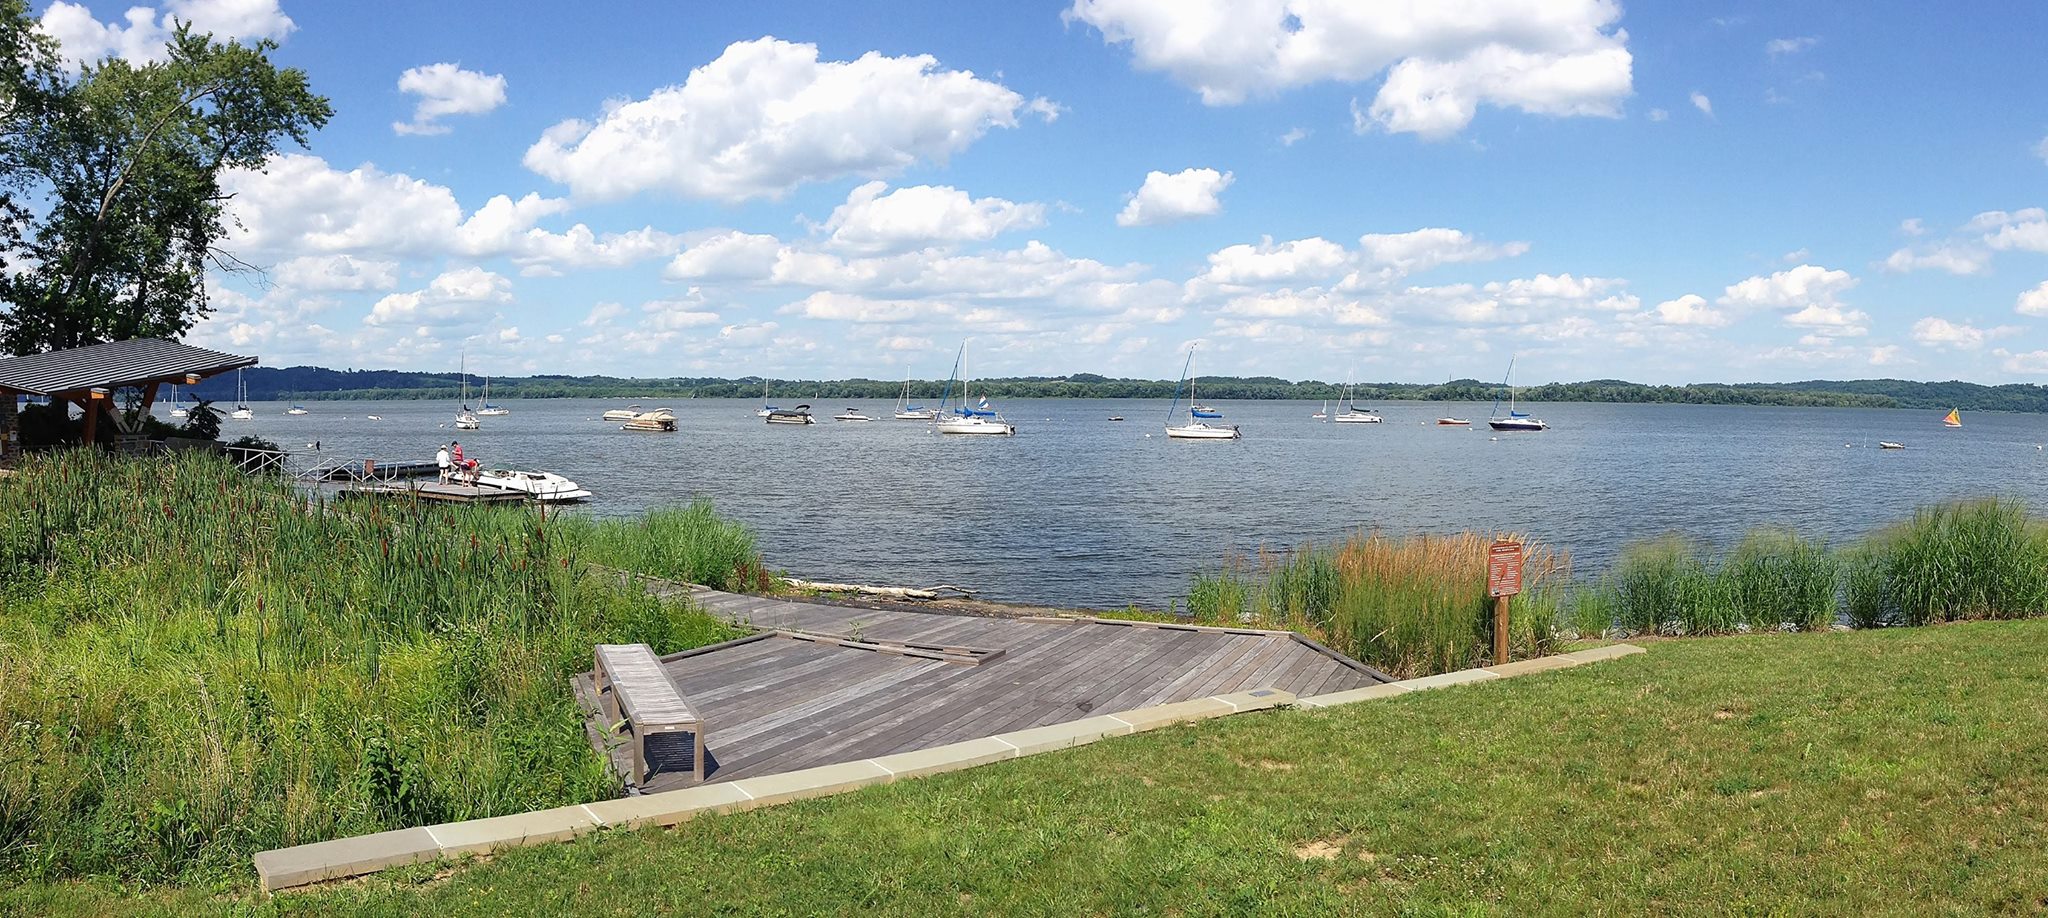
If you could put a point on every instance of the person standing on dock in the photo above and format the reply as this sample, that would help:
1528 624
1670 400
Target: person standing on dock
464 468
442 462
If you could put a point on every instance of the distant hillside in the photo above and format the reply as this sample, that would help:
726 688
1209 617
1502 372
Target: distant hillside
310 383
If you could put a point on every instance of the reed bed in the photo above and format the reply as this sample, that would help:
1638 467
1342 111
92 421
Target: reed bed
1410 606
690 543
195 665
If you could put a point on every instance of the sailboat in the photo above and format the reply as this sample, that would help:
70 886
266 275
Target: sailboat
242 410
980 418
766 409
1352 414
1954 421
905 411
465 419
487 409
1325 413
1514 420
296 409
178 409
1194 429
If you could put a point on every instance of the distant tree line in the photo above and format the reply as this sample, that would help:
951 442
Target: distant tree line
307 383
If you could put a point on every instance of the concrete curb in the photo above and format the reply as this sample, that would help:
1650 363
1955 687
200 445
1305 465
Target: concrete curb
348 857
1483 674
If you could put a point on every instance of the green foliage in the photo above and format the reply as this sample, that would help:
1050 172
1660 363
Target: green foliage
319 382
114 204
1777 578
691 544
1978 559
202 421
1650 583
199 664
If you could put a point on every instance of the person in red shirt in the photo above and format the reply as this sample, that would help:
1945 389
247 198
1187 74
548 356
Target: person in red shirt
463 467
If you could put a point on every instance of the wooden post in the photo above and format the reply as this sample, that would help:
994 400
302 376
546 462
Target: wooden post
1500 629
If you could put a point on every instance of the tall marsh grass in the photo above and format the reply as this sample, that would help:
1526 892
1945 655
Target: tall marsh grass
1410 606
679 543
195 665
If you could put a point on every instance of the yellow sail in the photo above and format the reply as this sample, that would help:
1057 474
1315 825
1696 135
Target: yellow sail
1953 420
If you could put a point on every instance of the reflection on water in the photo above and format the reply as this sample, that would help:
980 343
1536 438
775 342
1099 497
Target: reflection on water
1080 510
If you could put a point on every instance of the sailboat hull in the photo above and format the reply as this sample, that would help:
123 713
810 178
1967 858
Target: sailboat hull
982 426
1203 432
1517 424
1356 419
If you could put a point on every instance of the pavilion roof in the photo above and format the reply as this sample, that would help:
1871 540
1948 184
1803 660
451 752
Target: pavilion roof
116 363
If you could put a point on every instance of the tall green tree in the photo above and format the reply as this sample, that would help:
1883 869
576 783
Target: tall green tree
112 187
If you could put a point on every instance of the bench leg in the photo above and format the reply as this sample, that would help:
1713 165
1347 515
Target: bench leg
639 758
697 740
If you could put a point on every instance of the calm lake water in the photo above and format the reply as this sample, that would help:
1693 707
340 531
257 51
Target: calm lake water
1078 510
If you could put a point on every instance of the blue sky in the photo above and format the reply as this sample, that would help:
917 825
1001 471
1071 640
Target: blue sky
1308 188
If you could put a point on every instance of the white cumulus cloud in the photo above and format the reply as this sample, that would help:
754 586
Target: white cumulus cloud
1701 102
1782 46
1690 309
336 272
1167 198
875 219
1935 331
447 89
141 34
1299 259
456 297
1422 249
2033 302
1791 288
1441 60
768 115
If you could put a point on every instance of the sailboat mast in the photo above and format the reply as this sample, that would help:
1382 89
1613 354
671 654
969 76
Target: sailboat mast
1176 390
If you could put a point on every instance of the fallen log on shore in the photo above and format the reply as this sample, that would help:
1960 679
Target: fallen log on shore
862 589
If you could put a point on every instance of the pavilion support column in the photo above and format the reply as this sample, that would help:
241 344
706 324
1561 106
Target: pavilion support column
92 418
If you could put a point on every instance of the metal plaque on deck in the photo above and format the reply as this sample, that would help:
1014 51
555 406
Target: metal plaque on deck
1504 568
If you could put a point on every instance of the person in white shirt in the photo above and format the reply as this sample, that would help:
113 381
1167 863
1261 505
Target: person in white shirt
441 462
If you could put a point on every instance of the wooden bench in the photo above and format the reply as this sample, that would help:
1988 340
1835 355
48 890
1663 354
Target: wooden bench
632 686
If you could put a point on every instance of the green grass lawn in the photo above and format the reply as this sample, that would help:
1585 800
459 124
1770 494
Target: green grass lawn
1888 771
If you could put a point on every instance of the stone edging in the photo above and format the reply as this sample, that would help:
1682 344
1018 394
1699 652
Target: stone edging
340 858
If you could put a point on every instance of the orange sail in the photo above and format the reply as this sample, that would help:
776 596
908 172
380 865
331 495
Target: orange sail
1953 420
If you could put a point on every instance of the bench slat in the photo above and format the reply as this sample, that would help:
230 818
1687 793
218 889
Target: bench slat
643 688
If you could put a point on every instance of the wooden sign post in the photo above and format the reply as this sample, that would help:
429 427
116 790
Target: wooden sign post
1503 581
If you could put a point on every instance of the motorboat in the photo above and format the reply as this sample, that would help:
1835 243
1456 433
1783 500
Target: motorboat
1205 412
1195 428
373 417
801 414
545 487
851 414
1452 422
622 414
1513 420
1887 444
1116 417
660 420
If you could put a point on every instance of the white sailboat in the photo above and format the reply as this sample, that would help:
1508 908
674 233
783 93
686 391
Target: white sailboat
1513 420
1348 411
1195 429
242 410
465 419
766 409
178 409
905 411
487 409
1323 414
981 418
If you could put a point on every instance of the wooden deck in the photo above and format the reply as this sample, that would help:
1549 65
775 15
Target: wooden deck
780 702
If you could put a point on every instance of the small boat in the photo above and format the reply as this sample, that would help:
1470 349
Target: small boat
1325 413
851 414
1513 420
487 409
1194 429
981 418
905 411
1452 422
1348 411
374 417
1116 417
545 487
766 409
466 419
660 420
178 409
622 414
242 410
295 410
1954 421
1204 411
801 414
1887 444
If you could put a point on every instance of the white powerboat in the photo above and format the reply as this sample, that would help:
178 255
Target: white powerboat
622 414
545 487
660 420
851 414
801 414
1195 428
